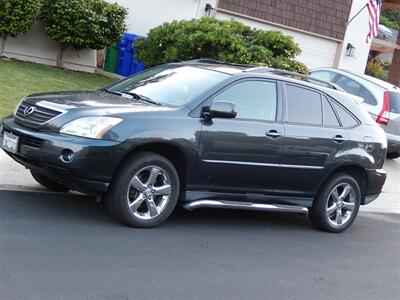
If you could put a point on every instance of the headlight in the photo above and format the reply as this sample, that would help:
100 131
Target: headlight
90 127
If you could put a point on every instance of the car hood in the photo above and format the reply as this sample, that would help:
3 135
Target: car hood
89 99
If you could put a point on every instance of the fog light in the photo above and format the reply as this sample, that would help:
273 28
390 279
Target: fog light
67 155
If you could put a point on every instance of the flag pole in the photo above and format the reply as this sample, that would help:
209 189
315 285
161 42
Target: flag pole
347 24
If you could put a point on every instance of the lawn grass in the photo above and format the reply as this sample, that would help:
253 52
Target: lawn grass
19 79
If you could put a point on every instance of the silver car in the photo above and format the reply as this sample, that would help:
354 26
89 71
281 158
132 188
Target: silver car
381 99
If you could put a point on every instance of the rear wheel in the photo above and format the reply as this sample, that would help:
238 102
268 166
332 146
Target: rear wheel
337 205
49 184
393 155
145 191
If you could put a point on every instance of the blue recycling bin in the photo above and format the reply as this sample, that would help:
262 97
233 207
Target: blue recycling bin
127 64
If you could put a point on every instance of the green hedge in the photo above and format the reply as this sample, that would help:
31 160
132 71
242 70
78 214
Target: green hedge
229 41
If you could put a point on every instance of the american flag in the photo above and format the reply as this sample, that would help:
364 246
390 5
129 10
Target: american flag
374 11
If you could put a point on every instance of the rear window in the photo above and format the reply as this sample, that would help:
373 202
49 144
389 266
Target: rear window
345 117
367 96
394 102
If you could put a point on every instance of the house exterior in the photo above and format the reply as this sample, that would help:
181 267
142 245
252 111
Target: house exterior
318 26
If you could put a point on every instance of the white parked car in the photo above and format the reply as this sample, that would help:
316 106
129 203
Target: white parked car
381 99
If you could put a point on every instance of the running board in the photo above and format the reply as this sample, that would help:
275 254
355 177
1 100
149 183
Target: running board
245 206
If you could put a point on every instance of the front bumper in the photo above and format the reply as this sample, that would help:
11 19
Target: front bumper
91 169
376 179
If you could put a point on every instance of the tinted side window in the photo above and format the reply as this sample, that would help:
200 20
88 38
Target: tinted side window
323 75
345 117
367 96
304 106
330 118
348 85
253 99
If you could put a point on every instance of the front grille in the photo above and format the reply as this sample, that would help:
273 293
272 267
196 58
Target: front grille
31 141
40 114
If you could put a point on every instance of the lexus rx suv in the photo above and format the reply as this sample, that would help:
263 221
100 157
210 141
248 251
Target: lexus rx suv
381 99
204 134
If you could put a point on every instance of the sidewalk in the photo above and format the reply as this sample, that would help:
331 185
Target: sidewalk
13 176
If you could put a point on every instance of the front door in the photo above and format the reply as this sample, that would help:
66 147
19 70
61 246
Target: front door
242 154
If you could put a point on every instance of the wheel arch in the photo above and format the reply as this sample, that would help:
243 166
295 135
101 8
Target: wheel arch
354 170
174 153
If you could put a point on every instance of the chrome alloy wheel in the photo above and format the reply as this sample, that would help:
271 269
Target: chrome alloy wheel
149 192
340 204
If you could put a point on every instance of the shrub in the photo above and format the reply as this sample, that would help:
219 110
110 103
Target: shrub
229 41
82 24
375 69
16 17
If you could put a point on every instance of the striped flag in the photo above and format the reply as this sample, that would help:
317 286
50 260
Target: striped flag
374 11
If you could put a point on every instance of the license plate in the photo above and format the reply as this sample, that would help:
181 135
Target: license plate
10 142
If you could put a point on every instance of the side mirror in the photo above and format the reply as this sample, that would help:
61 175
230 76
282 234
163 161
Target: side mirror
220 109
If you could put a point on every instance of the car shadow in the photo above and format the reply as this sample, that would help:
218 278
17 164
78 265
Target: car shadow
73 207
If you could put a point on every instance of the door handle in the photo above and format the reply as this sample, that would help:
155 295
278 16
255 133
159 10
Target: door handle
273 134
338 139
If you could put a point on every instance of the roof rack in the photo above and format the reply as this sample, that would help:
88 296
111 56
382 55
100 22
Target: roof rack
218 62
296 76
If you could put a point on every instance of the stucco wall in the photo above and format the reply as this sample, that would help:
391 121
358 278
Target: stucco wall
146 14
36 47
356 34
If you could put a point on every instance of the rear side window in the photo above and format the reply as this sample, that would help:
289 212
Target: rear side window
345 117
394 102
349 85
330 118
323 75
367 96
303 106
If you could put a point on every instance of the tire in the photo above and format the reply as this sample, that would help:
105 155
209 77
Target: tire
393 155
342 210
137 198
49 184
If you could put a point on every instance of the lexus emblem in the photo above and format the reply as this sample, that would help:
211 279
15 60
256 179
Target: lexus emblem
29 110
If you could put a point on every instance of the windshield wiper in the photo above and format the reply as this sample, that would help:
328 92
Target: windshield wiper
134 96
141 98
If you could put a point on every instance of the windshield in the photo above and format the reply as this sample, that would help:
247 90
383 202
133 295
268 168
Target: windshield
170 85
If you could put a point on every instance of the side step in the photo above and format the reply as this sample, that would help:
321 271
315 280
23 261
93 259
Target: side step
245 206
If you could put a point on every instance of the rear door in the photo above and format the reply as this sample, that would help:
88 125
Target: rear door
314 140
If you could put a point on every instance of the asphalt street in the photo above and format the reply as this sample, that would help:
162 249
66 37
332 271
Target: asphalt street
54 246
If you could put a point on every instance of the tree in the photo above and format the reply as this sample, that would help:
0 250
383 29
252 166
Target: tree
229 41
83 24
16 17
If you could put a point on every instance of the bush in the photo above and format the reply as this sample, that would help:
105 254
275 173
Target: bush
390 18
375 69
16 17
229 41
83 24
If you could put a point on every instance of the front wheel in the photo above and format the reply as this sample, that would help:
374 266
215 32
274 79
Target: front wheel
144 191
337 205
